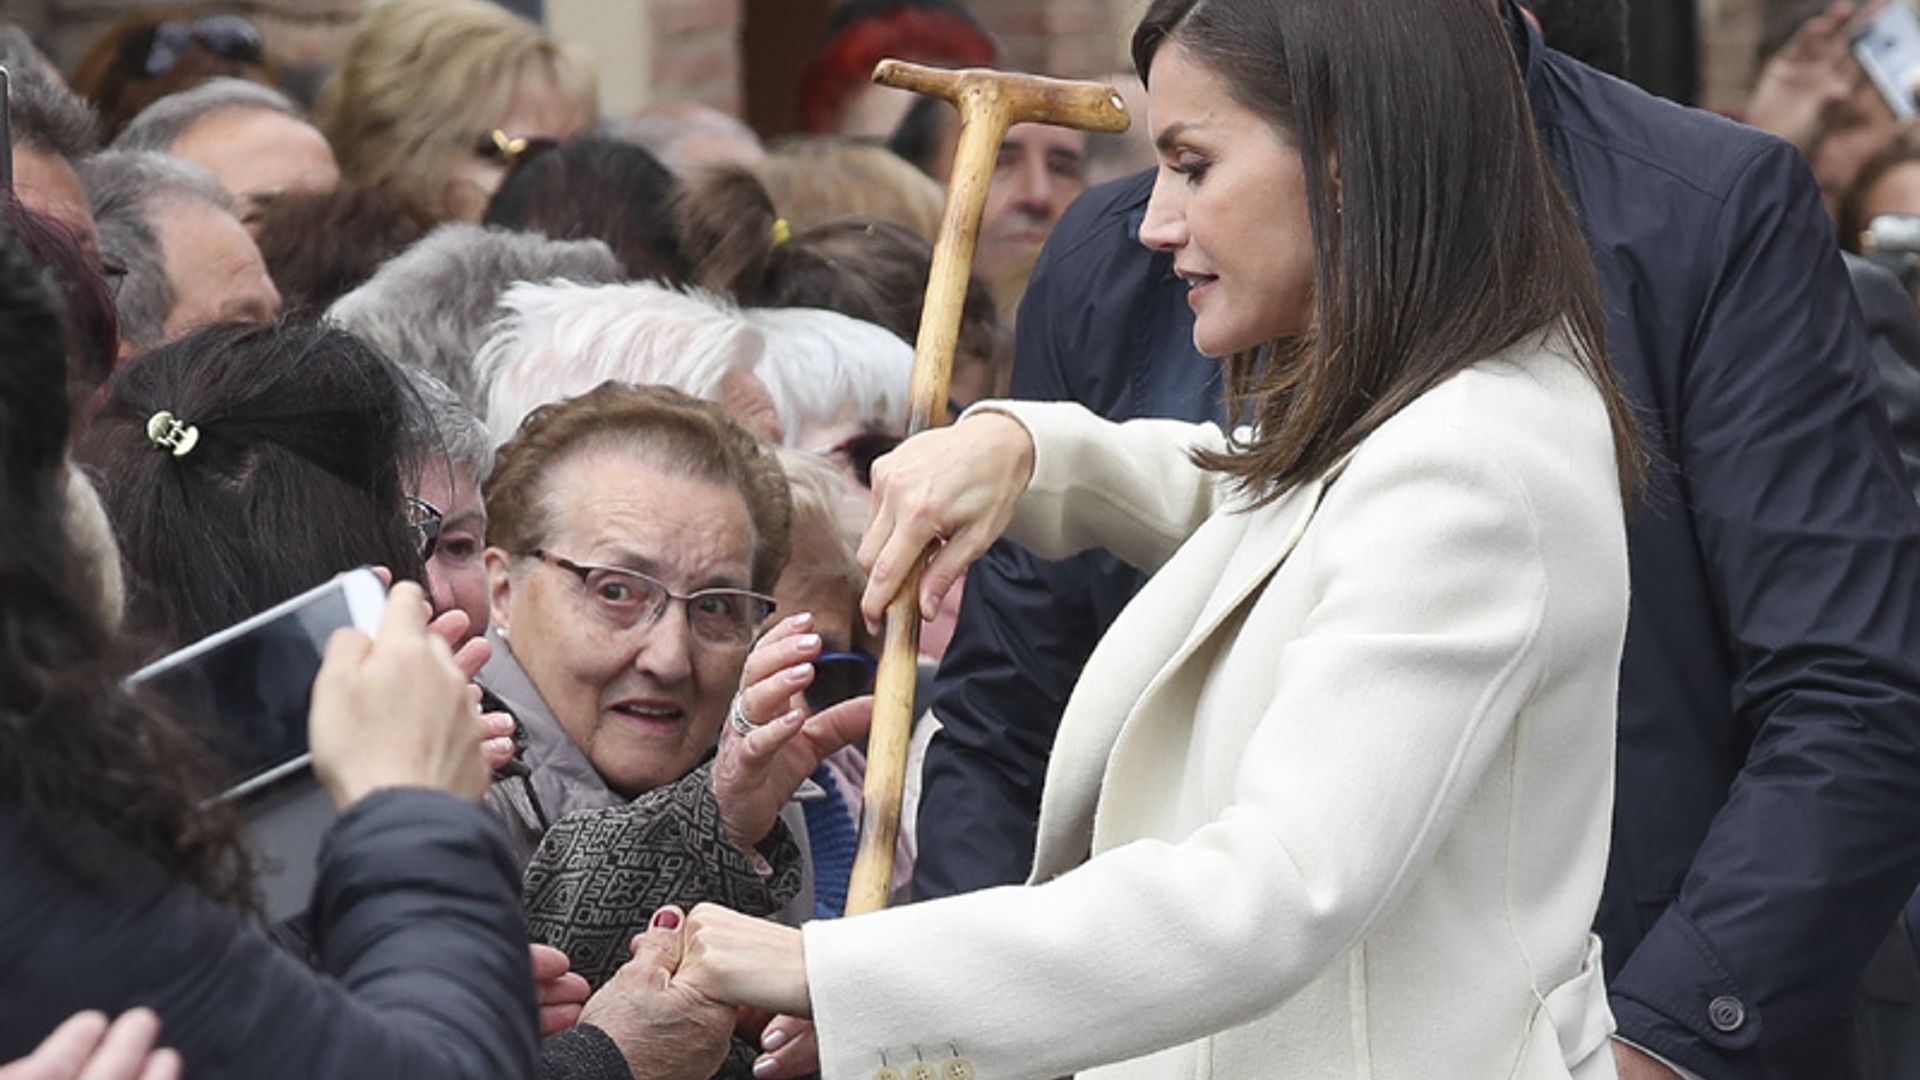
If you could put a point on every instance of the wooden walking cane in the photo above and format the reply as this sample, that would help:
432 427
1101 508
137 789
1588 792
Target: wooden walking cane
989 102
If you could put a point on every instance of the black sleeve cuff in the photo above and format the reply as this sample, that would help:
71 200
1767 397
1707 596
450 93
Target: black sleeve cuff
582 1052
1678 999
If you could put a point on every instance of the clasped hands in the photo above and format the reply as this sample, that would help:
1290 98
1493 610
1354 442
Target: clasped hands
694 981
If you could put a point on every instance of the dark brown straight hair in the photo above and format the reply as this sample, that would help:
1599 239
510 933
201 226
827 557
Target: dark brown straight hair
1445 240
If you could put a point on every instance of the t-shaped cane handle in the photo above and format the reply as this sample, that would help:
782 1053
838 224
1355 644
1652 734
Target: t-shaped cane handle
990 102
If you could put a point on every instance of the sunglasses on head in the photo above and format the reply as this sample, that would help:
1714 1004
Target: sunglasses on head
839 677
228 37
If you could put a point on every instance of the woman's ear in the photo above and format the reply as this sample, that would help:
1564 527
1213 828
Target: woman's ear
499 589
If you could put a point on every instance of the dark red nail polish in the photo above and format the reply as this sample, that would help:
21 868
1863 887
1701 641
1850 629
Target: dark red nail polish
666 920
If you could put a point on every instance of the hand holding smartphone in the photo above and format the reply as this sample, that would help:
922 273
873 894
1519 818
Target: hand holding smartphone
393 710
1888 49
249 687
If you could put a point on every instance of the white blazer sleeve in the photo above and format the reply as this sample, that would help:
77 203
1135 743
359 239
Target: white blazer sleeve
1428 595
1131 488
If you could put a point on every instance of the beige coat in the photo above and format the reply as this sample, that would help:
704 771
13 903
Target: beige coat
1331 798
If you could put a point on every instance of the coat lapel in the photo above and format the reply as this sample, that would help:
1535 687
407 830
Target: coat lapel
1271 535
1212 575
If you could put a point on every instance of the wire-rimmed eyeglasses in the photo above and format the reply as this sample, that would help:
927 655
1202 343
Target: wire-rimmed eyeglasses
629 599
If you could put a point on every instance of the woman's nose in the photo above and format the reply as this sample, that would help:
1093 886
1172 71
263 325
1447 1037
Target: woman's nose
1165 226
666 647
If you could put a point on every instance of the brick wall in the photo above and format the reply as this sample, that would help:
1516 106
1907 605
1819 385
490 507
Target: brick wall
1066 38
696 47
694 54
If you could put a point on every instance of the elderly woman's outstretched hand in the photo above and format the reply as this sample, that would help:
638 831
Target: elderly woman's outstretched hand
756 771
956 486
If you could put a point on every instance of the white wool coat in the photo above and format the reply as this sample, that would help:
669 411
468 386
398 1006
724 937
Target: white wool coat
1332 797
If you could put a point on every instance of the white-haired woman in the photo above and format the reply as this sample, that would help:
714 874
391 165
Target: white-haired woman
832 376
559 340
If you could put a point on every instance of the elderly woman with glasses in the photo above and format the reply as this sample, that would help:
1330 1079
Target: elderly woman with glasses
635 534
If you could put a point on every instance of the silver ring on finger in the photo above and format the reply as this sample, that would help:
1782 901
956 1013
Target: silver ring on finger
737 718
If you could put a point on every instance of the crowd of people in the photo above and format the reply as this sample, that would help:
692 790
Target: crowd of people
1426 583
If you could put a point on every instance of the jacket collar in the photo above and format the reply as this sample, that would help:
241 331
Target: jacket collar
563 779
1530 50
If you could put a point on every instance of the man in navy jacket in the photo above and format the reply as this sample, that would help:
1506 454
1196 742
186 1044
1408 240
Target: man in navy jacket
1767 823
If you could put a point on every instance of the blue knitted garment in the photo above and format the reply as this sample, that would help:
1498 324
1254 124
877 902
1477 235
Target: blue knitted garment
832 840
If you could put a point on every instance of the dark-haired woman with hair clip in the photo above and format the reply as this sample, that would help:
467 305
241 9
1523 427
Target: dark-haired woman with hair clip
127 886
295 476
1332 798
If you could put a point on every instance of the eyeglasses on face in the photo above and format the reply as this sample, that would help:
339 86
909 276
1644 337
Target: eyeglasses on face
426 520
630 600
228 37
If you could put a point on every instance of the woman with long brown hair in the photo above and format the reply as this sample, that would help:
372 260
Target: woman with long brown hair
1332 797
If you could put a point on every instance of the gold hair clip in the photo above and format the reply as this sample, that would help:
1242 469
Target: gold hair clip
510 146
782 232
169 434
